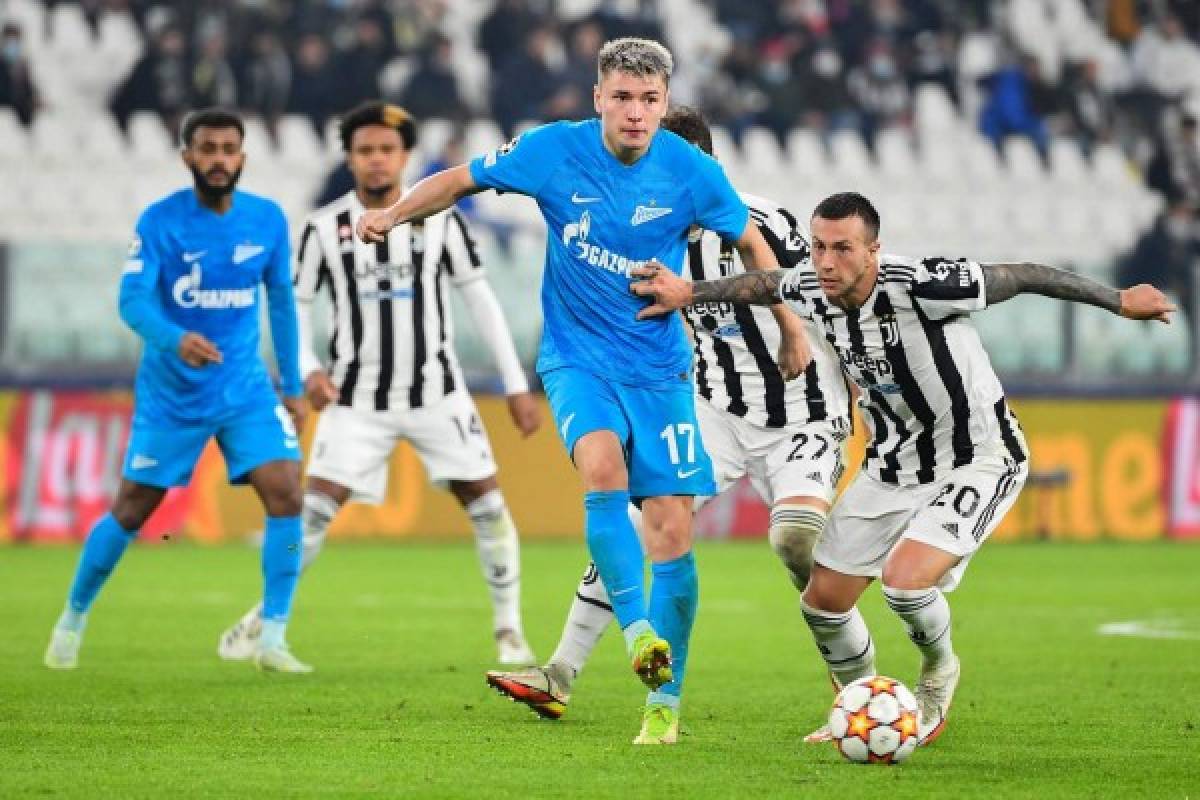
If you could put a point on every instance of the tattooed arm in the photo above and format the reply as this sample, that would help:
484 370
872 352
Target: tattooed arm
760 288
1005 281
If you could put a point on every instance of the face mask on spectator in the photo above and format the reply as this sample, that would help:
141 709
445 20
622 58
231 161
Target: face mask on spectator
827 63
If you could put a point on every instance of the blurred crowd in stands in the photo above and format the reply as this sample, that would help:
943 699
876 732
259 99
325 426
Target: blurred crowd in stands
826 65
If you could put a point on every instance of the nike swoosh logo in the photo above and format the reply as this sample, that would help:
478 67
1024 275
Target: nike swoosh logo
190 257
567 424
575 198
685 475
245 252
143 462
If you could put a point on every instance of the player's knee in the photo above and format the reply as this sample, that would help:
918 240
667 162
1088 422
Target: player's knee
667 537
134 505
824 594
284 500
793 534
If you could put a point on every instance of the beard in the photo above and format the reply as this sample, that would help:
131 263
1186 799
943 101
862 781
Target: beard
378 193
207 189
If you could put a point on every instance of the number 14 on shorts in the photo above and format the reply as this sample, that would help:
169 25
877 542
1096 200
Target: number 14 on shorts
673 435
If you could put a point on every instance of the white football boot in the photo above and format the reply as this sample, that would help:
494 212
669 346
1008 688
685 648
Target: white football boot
935 691
63 650
279 659
512 650
240 642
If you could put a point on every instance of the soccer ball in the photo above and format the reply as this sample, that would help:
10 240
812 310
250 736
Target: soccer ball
874 721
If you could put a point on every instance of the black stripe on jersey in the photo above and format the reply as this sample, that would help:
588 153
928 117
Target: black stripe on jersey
772 378
1011 443
596 603
387 340
947 369
878 408
1003 487
326 276
696 268
346 394
447 374
817 409
310 232
472 250
910 391
416 387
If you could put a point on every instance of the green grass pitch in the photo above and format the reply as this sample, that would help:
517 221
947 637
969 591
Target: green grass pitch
400 635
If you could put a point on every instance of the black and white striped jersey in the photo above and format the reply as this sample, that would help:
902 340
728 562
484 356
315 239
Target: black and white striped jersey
736 346
391 346
930 397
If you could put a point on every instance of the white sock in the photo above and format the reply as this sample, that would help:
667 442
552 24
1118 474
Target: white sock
319 511
590 614
272 634
499 557
844 642
72 620
926 615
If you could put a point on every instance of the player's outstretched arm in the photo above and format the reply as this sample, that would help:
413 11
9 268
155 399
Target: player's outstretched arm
671 292
1005 281
436 193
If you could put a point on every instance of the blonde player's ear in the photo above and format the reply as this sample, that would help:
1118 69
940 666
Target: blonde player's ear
596 97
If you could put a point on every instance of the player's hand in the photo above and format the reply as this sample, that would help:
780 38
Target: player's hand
525 413
319 389
794 356
665 288
1145 302
373 226
296 410
198 351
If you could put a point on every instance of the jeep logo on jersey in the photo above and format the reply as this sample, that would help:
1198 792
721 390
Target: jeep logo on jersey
575 238
384 272
862 361
188 294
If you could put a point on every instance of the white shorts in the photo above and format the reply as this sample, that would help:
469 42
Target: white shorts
956 514
352 446
803 460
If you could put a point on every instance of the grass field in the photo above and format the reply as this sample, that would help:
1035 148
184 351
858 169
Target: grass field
398 707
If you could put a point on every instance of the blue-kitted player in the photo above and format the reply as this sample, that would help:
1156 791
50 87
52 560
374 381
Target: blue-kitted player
190 290
616 193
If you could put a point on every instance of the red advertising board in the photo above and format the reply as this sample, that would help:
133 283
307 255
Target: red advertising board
62 454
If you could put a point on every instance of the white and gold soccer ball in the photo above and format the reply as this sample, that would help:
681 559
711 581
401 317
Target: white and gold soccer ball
874 721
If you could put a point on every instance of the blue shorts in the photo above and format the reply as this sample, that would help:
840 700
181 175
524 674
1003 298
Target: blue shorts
657 428
164 454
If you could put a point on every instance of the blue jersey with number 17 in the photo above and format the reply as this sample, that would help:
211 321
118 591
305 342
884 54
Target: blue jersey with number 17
603 218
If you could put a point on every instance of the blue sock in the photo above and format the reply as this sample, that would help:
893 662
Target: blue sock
617 554
281 551
674 596
101 552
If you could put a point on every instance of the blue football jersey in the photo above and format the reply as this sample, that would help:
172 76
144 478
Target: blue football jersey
190 269
603 218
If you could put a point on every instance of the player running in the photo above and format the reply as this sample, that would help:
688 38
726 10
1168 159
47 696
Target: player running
394 374
786 437
617 193
945 456
190 290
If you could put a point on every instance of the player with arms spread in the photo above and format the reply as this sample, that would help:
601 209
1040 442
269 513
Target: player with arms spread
394 375
945 456
190 290
785 437
617 193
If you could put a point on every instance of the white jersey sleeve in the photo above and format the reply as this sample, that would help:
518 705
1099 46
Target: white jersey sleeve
461 256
